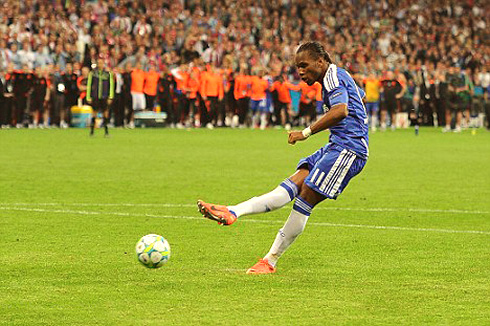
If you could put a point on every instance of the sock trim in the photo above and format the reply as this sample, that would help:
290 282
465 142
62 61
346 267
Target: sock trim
303 207
290 187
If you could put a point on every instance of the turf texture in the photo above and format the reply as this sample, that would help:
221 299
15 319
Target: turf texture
408 242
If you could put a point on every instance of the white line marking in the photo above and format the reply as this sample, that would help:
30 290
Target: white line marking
359 226
357 209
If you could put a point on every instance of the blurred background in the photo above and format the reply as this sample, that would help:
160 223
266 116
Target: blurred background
184 64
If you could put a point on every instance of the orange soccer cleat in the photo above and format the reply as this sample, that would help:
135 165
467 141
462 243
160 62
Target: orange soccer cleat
218 213
262 267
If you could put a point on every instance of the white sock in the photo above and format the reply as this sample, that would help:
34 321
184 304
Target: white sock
270 201
255 119
263 121
290 231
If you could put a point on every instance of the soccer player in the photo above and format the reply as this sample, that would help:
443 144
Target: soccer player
39 96
212 90
241 93
393 92
285 108
307 103
137 94
193 85
150 88
373 86
100 93
325 173
258 99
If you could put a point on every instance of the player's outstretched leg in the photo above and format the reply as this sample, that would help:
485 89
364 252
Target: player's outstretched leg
270 201
218 213
293 227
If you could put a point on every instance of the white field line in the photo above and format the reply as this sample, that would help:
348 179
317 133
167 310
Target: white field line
356 209
359 226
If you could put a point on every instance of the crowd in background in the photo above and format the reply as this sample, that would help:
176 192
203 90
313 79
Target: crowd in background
215 63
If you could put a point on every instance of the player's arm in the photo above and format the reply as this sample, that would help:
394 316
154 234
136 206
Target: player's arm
336 114
221 92
89 87
338 99
111 88
236 92
403 87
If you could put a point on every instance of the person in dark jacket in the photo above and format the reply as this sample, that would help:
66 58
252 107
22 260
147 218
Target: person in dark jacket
7 97
38 96
100 93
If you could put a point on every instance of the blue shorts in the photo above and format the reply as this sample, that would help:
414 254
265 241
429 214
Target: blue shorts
258 106
269 103
331 168
372 107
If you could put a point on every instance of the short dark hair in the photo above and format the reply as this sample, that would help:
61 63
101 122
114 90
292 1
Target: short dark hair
316 49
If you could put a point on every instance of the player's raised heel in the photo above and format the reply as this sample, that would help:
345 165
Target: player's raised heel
217 213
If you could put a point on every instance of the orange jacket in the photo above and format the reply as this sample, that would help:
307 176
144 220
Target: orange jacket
181 82
137 80
282 89
192 88
151 83
242 86
212 85
308 93
258 88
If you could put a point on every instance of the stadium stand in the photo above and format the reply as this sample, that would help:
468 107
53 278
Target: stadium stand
438 53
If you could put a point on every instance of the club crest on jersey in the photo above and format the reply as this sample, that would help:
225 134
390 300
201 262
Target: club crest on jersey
325 108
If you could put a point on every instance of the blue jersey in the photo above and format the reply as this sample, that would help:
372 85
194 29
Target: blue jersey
352 132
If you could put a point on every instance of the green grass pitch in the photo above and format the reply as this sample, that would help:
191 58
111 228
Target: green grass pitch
407 243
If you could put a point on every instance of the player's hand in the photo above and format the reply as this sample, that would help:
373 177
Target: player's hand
294 136
89 101
204 98
109 101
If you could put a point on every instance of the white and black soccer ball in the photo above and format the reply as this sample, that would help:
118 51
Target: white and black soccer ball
153 251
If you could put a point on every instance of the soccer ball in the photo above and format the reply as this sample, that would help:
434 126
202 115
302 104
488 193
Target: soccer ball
153 251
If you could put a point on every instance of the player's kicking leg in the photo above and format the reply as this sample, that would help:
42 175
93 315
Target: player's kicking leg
293 227
270 201
329 176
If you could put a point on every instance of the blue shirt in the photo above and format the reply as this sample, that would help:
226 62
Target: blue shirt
351 133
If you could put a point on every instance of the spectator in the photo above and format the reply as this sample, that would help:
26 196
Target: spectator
231 34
